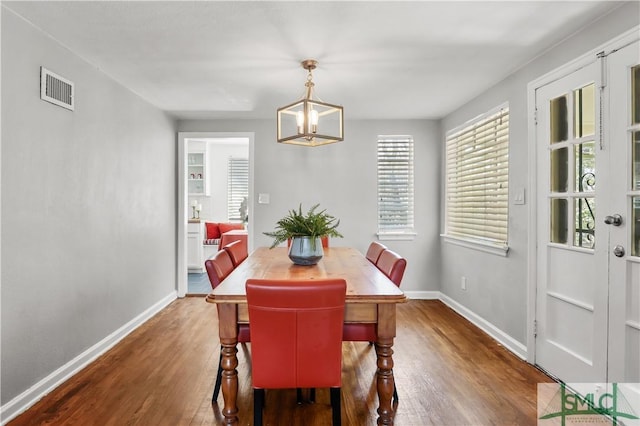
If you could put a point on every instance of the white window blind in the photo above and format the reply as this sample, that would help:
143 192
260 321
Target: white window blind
237 188
477 179
395 184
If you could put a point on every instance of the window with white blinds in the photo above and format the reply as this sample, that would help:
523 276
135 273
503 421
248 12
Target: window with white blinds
237 188
477 179
395 185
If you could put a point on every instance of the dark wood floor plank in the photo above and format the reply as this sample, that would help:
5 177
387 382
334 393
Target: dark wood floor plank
448 372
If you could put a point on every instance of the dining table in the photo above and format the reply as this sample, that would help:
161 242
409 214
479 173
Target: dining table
371 298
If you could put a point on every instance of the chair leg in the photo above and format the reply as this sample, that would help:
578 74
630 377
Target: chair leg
258 405
334 394
312 396
216 387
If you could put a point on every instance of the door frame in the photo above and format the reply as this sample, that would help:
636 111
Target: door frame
182 207
532 223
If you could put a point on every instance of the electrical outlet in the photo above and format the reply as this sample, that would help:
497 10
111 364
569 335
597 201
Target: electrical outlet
463 283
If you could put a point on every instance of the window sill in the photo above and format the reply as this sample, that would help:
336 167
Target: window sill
486 247
396 236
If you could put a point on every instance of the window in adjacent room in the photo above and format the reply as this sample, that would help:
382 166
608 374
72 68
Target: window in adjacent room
237 189
395 187
477 181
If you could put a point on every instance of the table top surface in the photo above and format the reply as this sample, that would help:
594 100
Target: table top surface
365 282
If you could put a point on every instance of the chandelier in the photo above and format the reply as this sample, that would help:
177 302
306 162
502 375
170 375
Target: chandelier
310 122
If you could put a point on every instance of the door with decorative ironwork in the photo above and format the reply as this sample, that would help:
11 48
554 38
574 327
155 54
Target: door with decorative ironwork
588 222
572 294
622 214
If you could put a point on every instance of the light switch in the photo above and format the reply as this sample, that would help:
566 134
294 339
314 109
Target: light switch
518 197
263 198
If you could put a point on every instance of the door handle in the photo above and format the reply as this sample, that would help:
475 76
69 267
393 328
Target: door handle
615 220
618 251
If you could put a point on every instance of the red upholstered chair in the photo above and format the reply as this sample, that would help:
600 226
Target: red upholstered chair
374 251
237 251
296 332
392 265
325 241
218 267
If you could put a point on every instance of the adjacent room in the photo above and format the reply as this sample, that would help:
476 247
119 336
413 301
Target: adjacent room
319 212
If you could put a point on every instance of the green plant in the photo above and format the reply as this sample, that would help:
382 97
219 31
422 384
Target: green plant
311 224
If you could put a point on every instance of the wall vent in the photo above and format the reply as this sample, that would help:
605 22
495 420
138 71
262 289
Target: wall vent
56 89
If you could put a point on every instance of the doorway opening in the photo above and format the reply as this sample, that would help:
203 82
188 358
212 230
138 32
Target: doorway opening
215 181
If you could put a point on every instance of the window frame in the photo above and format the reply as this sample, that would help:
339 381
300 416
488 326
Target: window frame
483 242
405 230
232 205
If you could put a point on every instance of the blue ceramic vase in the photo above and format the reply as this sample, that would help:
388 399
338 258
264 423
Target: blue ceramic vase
305 250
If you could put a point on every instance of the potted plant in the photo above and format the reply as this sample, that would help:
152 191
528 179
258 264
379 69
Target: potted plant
305 232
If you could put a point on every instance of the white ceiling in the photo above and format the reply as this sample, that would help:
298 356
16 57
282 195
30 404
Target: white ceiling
241 59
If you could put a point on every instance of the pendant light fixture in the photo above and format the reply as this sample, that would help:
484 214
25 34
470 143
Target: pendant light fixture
310 122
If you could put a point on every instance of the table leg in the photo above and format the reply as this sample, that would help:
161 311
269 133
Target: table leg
227 317
384 374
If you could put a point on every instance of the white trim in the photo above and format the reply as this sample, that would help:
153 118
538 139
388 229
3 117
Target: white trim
32 395
500 336
633 324
396 236
486 247
580 62
494 332
570 301
26 399
182 208
474 120
532 233
423 295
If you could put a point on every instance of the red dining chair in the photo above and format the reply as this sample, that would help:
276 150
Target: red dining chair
374 251
296 331
237 251
218 267
392 265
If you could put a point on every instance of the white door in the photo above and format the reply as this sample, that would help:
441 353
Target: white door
572 281
623 136
588 258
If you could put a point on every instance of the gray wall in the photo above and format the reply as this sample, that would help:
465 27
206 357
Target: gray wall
342 178
496 286
89 201
88 209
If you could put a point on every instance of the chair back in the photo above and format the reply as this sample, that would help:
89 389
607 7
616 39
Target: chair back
392 265
374 251
296 332
218 267
237 251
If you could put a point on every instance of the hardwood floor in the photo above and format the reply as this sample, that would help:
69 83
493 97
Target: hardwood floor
447 372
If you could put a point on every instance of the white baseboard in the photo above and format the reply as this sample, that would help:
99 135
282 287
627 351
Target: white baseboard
26 399
423 295
500 336
32 395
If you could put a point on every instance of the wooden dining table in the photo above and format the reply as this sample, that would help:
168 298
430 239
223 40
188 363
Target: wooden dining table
371 298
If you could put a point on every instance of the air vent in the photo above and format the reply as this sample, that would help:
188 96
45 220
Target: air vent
56 89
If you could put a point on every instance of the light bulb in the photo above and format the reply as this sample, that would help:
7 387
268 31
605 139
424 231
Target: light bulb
300 121
313 119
